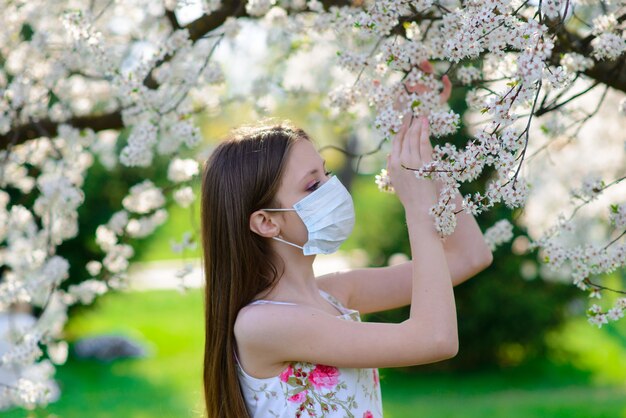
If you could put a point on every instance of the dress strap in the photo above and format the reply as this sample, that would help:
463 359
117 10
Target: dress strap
261 301
330 298
333 301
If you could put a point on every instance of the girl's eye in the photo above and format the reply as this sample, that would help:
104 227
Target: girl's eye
317 183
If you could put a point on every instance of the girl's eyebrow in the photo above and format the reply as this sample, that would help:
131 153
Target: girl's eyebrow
315 170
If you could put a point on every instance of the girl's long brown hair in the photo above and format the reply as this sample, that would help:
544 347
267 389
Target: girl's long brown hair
242 175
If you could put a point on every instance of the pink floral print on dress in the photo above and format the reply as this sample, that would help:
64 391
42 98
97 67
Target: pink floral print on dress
323 376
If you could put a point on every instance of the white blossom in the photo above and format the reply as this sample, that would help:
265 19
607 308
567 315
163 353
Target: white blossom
608 46
184 196
604 23
116 259
383 181
259 7
231 27
143 198
617 215
499 233
575 62
181 170
94 267
145 225
86 291
467 75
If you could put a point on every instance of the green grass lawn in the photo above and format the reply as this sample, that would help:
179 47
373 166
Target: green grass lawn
168 382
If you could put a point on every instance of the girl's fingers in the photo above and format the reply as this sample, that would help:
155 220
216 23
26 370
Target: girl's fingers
425 145
410 146
400 102
426 66
447 89
396 145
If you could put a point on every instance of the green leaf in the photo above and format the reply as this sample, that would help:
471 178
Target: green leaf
52 99
27 32
293 381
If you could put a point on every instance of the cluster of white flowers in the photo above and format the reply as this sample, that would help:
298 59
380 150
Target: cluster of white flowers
499 233
86 291
184 196
584 260
574 62
558 78
617 216
143 197
597 317
468 74
138 152
604 23
608 46
181 170
259 7
592 185
444 123
24 352
28 393
143 226
383 181
551 8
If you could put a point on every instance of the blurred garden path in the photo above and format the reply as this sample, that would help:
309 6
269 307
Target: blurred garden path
162 274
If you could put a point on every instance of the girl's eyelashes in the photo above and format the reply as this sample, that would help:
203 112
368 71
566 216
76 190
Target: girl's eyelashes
317 183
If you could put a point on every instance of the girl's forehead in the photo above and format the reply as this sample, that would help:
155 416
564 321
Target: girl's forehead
302 158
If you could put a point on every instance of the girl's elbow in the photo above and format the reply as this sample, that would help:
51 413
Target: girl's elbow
484 261
449 347
488 258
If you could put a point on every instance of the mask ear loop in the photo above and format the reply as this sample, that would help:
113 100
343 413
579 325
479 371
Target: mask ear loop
280 239
287 242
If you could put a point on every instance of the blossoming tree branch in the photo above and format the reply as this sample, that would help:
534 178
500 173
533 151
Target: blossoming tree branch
73 75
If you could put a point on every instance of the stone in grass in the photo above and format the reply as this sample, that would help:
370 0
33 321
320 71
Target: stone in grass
108 348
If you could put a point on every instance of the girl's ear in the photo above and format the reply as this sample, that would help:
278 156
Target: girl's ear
262 224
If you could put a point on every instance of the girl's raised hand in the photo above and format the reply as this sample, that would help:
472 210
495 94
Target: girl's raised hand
411 149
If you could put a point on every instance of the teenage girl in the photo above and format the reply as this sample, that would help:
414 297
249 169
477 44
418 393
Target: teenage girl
281 342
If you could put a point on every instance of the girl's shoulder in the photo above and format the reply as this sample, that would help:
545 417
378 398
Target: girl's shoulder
266 314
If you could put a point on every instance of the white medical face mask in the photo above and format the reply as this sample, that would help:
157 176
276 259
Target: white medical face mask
328 214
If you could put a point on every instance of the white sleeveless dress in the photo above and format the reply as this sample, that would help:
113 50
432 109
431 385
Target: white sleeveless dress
314 390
